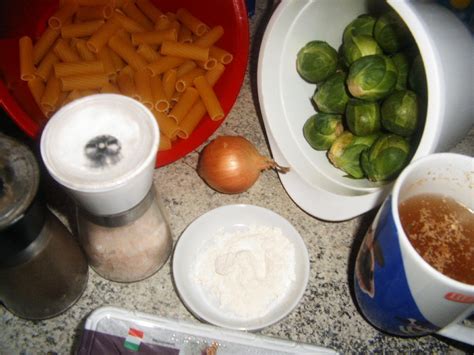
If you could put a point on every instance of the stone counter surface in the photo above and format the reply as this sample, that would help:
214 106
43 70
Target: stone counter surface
326 316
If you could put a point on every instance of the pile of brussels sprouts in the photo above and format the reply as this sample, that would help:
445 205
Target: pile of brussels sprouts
369 99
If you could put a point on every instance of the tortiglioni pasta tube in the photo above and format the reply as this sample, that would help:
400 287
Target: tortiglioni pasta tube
84 52
46 65
197 112
90 13
208 64
147 52
163 23
143 85
119 64
105 57
36 86
127 85
110 89
191 120
212 76
150 10
193 23
82 29
84 82
186 80
185 68
64 52
27 68
154 37
127 23
165 143
44 43
51 93
92 2
176 25
171 16
164 63
102 36
184 104
185 35
209 98
76 94
169 83
77 68
184 50
58 19
127 53
211 37
160 100
167 125
132 11
221 55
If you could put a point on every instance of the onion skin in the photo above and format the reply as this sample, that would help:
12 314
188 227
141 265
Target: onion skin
231 164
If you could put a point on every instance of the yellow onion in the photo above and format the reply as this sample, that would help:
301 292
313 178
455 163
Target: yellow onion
231 164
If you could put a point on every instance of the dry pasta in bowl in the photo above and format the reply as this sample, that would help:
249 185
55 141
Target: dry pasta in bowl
184 60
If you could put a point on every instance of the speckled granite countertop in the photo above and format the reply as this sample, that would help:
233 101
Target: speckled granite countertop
326 316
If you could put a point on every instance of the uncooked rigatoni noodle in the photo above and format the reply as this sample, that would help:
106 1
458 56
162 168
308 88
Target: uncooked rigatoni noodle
131 48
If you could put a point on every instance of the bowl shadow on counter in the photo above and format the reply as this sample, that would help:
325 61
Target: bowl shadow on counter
358 238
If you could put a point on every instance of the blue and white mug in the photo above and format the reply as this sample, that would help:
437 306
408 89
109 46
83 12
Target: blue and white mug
396 289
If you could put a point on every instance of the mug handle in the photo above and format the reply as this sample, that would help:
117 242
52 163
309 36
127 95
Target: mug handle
459 332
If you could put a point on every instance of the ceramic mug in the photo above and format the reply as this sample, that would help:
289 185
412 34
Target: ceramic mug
396 289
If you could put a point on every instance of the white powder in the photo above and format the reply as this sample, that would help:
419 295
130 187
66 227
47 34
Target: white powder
247 272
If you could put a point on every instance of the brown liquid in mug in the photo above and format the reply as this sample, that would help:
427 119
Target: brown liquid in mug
442 232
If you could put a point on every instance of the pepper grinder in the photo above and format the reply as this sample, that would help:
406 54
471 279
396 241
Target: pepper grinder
102 149
43 271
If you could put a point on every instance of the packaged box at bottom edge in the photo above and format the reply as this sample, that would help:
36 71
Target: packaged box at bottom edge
110 330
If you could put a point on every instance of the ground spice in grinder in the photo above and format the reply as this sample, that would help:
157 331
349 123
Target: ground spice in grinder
102 150
130 246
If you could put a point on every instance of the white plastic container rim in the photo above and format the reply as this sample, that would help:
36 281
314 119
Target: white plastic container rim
442 40
128 183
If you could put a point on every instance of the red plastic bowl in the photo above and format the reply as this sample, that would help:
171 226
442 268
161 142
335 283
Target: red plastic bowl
24 17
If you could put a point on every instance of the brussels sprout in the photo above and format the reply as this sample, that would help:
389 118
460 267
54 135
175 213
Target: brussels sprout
362 25
346 150
402 63
417 77
363 117
372 77
358 47
316 61
400 113
332 96
391 33
386 158
321 129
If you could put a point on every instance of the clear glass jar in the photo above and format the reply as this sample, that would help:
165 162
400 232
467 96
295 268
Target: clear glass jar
43 271
129 246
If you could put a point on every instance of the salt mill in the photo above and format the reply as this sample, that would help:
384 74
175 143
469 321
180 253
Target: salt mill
43 271
102 149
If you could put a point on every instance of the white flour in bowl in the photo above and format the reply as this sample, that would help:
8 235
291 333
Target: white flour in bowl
247 272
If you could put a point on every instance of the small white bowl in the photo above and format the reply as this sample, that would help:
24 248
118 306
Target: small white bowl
228 219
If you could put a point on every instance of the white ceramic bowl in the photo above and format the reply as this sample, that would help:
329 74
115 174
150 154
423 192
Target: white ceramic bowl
314 184
201 232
